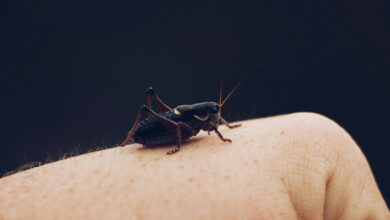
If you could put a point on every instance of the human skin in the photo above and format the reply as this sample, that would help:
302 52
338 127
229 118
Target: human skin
296 166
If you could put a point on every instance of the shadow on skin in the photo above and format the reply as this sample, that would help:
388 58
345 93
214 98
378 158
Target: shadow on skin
168 147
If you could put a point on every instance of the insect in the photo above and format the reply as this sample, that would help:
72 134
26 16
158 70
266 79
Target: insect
180 123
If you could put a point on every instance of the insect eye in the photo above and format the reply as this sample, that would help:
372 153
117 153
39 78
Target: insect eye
214 110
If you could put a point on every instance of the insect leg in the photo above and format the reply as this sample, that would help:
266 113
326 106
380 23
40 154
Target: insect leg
228 125
219 134
184 126
178 136
131 132
173 127
163 107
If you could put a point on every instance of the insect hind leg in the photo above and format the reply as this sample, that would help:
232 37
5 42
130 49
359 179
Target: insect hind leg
163 107
136 123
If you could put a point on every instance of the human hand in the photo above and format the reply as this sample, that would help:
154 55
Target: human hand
297 166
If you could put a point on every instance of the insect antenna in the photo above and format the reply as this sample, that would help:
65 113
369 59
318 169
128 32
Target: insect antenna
239 83
220 94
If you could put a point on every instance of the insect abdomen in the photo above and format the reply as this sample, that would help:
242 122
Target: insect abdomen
151 132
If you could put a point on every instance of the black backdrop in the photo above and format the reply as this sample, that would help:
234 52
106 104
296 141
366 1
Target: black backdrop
73 74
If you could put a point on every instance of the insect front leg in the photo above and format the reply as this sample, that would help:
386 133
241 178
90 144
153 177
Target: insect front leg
228 125
219 134
173 127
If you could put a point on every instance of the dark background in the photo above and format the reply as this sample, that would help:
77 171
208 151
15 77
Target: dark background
73 74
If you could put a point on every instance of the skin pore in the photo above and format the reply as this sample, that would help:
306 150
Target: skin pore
296 166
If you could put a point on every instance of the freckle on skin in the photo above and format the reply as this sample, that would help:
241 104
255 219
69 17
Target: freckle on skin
72 175
190 179
227 177
181 167
282 132
255 161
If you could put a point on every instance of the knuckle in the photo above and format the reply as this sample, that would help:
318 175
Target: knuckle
321 145
315 127
323 130
346 167
315 149
316 141
313 119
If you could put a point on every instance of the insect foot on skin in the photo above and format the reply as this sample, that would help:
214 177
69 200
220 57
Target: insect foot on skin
178 124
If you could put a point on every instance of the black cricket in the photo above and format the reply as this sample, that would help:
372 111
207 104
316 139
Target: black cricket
175 125
180 123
